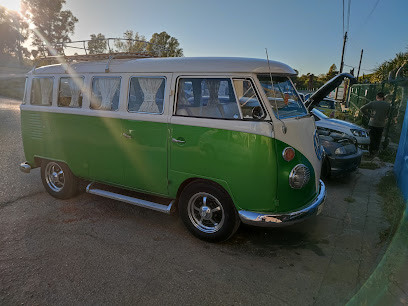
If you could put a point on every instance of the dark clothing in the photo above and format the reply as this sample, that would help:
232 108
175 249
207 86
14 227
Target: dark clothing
375 138
377 111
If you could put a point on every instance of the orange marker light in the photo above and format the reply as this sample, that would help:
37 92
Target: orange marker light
288 154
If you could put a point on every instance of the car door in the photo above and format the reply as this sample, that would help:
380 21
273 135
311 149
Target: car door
145 135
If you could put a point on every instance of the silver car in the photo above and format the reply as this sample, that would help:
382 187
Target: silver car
343 127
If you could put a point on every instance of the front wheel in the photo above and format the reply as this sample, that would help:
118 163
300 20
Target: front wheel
208 212
58 179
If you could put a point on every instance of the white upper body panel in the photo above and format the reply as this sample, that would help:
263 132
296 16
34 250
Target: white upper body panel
174 65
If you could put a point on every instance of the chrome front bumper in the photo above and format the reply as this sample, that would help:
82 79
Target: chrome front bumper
275 220
25 167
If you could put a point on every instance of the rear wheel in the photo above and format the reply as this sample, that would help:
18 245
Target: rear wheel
208 212
58 179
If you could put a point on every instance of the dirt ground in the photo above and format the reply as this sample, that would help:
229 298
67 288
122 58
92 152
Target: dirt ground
92 250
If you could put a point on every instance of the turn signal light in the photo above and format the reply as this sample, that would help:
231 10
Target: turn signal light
288 154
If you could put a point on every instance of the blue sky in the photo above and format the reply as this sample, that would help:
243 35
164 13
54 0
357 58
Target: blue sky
307 35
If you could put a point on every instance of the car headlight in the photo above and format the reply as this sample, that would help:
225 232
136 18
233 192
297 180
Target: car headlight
358 133
340 151
299 176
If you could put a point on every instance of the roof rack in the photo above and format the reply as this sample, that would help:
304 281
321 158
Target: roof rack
155 50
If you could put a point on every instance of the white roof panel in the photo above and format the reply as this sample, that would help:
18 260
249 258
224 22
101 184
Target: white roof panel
175 64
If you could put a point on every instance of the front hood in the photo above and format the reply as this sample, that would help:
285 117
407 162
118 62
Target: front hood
346 124
327 88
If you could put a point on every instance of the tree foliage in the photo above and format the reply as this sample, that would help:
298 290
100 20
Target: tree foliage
382 71
97 44
169 43
310 81
161 43
131 42
13 33
53 25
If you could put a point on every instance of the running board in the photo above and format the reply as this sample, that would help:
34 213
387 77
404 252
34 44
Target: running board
131 200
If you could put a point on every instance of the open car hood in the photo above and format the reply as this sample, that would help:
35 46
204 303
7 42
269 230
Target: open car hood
327 88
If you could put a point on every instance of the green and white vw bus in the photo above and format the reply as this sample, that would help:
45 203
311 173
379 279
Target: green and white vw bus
225 140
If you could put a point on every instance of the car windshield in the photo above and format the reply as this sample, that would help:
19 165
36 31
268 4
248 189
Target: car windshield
319 114
282 96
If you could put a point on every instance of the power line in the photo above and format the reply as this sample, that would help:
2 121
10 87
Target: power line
343 17
372 11
348 15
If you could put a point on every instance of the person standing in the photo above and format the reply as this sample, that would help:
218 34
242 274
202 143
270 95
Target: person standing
377 111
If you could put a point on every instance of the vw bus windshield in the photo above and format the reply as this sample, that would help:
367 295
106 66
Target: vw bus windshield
282 96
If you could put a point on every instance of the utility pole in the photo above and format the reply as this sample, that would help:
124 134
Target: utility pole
342 53
342 59
359 65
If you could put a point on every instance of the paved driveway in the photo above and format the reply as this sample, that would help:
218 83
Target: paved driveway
91 250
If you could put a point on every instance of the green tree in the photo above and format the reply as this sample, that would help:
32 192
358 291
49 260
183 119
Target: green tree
331 73
53 25
382 71
167 42
97 44
13 33
131 42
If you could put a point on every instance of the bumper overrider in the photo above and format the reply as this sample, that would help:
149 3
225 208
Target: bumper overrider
275 220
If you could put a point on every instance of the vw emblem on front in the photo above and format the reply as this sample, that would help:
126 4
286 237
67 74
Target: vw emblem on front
317 146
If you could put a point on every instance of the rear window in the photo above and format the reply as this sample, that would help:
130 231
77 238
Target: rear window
282 96
105 93
41 91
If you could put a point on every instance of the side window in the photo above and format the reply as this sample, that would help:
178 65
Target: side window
146 95
105 93
248 100
70 93
207 98
41 91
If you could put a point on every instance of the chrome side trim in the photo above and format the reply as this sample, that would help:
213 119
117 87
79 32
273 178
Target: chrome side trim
131 200
25 167
275 220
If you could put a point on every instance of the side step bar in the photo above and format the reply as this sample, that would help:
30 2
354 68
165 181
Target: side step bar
131 200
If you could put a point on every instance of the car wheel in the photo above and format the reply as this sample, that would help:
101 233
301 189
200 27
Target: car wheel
208 211
58 179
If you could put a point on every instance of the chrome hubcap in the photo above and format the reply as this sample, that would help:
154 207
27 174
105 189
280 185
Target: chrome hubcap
206 212
54 176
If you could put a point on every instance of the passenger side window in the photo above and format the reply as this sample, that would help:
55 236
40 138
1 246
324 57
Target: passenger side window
248 100
207 98
41 91
70 92
105 93
146 95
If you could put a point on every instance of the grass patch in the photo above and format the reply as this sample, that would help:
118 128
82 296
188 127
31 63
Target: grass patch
349 199
387 155
392 205
369 165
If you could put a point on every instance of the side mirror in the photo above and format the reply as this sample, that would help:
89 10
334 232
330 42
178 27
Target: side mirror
258 113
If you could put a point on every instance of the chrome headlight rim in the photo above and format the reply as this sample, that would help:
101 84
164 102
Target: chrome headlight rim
293 179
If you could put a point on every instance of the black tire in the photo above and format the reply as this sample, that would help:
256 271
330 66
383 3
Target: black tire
58 179
208 211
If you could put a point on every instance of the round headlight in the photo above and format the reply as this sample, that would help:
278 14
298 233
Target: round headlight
299 176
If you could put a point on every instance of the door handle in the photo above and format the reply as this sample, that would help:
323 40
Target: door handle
177 140
126 136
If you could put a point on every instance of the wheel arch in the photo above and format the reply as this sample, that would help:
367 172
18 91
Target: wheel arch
195 180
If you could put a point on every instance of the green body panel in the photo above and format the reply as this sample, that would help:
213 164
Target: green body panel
289 198
245 162
250 167
94 148
145 156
